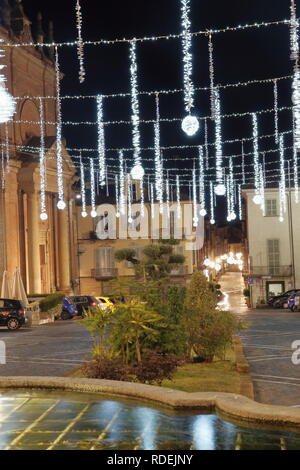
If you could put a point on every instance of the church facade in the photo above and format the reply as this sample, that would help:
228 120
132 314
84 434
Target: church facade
45 251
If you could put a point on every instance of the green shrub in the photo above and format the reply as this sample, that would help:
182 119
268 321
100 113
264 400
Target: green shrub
51 301
246 292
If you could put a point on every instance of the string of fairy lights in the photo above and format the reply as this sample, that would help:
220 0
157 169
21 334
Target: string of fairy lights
213 175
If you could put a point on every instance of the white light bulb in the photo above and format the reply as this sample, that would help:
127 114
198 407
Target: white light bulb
206 262
190 125
229 218
137 172
203 212
130 220
118 215
7 105
212 221
61 205
281 219
93 214
220 190
233 216
84 214
257 199
43 216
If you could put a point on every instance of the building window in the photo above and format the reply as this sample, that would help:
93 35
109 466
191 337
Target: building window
104 258
273 256
271 208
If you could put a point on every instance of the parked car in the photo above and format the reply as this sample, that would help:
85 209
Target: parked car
12 314
296 306
106 302
69 309
83 302
278 301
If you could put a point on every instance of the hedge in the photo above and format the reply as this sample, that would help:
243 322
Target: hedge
51 301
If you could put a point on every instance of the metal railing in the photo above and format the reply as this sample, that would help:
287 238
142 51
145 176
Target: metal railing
104 273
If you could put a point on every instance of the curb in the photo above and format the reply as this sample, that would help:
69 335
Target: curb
242 365
235 406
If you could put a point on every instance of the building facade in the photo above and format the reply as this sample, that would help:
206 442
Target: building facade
274 257
45 251
100 238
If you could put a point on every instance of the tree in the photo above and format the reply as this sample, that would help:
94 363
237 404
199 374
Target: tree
97 322
157 262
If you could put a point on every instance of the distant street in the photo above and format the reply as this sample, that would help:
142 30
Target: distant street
47 350
267 345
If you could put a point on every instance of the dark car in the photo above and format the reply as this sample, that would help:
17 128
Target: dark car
12 314
83 302
278 301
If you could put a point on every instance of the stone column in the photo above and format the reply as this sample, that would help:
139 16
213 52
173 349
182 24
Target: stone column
34 265
63 250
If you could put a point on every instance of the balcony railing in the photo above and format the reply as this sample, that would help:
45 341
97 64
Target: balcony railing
279 271
180 270
104 273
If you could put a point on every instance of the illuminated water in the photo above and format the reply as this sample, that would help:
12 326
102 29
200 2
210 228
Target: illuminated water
54 420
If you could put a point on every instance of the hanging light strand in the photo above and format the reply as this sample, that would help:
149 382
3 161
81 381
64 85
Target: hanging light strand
43 209
137 171
243 164
220 188
212 204
195 202
240 208
206 144
262 188
59 156
158 160
294 31
152 200
283 202
7 148
101 140
257 198
93 189
211 75
201 182
82 190
178 197
276 111
187 56
80 46
122 183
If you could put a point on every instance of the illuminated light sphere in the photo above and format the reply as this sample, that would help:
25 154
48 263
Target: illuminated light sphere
281 219
7 105
230 260
207 262
233 216
229 218
220 190
190 125
78 196
203 212
84 214
212 221
218 267
195 221
93 214
130 220
257 199
118 215
137 172
61 205
212 265
43 216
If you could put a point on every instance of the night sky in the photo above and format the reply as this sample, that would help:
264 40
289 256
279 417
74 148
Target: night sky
239 56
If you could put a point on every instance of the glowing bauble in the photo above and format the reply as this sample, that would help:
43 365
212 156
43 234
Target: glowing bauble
7 105
190 125
206 262
84 214
218 267
137 172
257 199
61 205
130 220
118 215
43 216
212 221
229 218
281 219
233 216
195 221
220 190
93 214
203 212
